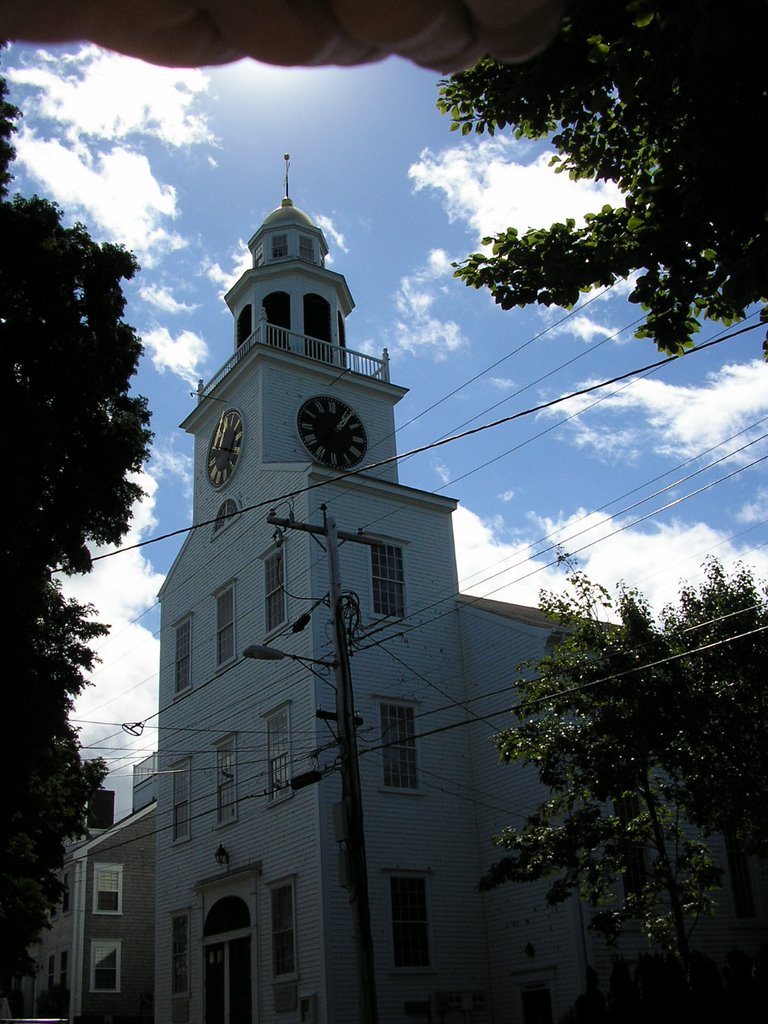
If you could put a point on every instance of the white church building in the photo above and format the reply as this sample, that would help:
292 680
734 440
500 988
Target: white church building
256 895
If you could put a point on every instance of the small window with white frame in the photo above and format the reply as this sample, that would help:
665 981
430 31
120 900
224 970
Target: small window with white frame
306 248
283 930
410 921
398 746
225 625
279 246
388 580
226 782
105 965
279 752
180 954
182 788
108 889
274 589
183 656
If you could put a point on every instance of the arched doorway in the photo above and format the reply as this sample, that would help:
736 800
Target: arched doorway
227 941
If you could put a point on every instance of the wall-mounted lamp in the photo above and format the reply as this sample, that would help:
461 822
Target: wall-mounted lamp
221 855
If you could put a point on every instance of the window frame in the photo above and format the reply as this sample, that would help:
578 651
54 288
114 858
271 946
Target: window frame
225 627
279 246
182 656
279 753
401 924
275 604
284 885
182 787
100 870
743 890
307 248
179 955
113 946
226 788
400 759
387 581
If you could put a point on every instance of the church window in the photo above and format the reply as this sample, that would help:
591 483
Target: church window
278 752
105 966
244 325
225 625
741 881
306 248
183 661
398 746
274 591
635 875
182 783
108 889
410 924
227 512
226 797
180 954
279 246
388 580
283 931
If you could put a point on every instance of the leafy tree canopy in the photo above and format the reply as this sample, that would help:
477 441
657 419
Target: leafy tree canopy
74 436
633 726
667 99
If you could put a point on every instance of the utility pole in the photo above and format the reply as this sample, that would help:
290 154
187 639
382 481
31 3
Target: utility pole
351 793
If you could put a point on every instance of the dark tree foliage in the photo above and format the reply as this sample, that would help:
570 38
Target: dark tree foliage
634 729
73 436
667 98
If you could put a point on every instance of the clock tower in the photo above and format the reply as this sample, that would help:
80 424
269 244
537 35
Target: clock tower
253 910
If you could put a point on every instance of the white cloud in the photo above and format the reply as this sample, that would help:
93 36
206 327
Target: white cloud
329 229
117 191
162 299
586 329
418 328
484 186
674 420
124 686
755 511
654 557
105 96
181 355
241 259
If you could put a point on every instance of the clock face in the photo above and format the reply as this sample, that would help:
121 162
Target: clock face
225 447
331 432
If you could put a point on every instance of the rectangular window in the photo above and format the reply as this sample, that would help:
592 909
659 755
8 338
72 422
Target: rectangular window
410 927
182 782
278 752
306 248
635 875
65 904
51 970
741 880
226 796
274 592
180 955
108 889
283 931
398 746
387 579
279 246
225 626
105 966
64 969
183 655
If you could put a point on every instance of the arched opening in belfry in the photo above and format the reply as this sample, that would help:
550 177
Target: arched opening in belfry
317 317
244 325
342 330
278 309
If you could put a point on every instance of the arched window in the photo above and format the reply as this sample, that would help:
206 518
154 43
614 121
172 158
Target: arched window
278 309
317 317
227 511
244 325
227 915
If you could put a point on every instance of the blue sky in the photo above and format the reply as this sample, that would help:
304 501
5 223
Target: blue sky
641 481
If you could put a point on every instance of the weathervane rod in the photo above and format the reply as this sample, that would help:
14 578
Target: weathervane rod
287 158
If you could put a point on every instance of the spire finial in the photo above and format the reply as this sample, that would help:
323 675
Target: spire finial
287 158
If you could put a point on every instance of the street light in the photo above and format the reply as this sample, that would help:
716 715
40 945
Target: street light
262 652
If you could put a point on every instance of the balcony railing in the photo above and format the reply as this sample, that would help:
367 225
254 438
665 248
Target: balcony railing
303 345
